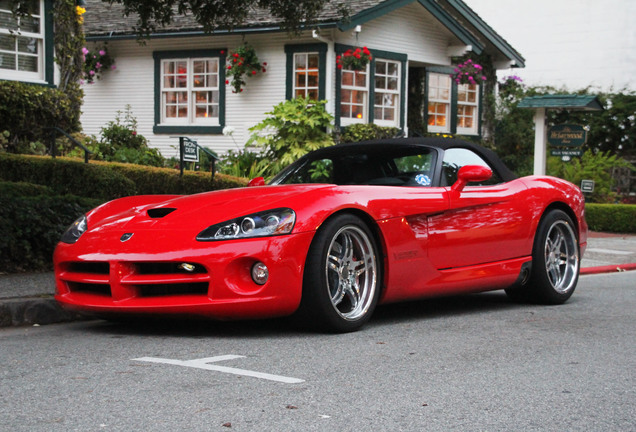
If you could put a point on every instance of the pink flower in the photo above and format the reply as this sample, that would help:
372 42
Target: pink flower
102 52
134 133
98 65
85 50
91 72
113 67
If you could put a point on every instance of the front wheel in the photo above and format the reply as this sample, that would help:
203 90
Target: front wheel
342 276
555 260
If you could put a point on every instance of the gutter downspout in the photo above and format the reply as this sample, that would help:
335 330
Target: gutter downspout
330 68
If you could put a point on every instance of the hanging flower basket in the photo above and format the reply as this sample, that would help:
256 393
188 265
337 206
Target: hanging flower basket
357 59
96 62
468 72
243 62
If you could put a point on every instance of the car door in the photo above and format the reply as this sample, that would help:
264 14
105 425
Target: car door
484 222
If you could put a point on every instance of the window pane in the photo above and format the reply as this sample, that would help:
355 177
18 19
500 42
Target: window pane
347 78
312 94
7 21
313 61
28 45
361 79
380 82
7 43
312 79
300 80
30 24
7 61
301 61
393 69
300 93
27 63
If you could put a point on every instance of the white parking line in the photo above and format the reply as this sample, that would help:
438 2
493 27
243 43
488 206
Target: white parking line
609 251
204 363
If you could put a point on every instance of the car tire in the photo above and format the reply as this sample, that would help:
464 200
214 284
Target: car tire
341 283
555 262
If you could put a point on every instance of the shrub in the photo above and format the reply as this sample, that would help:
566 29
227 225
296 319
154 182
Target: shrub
65 176
108 180
619 218
244 163
32 225
293 129
27 111
367 132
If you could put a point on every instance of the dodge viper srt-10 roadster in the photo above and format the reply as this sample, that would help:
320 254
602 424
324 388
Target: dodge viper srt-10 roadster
339 231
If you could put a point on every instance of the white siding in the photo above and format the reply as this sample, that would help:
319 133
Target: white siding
410 30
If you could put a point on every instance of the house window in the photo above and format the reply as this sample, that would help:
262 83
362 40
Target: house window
306 74
387 92
190 91
306 66
354 96
22 43
374 95
439 101
467 108
451 107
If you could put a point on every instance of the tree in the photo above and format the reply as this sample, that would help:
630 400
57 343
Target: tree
226 14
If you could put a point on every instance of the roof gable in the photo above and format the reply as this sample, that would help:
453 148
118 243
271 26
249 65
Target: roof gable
104 21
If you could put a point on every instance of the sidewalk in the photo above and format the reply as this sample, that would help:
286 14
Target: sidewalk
27 299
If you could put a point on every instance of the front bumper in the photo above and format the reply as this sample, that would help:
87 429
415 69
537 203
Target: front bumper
100 274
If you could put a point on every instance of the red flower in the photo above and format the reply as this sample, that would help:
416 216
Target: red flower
253 72
229 67
227 81
264 63
222 52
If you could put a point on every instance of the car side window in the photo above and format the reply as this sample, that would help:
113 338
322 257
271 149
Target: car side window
455 158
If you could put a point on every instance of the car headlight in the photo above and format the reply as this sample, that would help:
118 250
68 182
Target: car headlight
75 231
263 224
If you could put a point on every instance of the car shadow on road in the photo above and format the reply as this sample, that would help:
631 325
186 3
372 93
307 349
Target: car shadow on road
427 309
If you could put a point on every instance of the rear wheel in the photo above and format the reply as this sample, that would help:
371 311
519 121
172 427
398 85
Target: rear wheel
342 276
555 261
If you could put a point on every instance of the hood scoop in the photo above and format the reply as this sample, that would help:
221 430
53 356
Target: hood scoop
158 213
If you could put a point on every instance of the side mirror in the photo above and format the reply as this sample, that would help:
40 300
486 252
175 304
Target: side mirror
257 181
469 174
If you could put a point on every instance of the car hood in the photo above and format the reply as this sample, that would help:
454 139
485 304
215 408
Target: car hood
195 212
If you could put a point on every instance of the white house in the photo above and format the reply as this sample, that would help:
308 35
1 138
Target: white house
176 86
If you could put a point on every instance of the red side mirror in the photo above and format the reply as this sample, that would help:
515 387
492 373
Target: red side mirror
469 174
257 181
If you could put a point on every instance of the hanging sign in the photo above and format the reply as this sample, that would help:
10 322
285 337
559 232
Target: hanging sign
567 135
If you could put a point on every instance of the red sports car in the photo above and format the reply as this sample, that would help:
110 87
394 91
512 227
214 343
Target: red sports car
339 231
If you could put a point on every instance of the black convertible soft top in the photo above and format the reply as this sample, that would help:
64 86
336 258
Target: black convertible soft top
443 144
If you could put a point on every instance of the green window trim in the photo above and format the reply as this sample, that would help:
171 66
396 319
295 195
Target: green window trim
290 50
158 56
382 55
453 103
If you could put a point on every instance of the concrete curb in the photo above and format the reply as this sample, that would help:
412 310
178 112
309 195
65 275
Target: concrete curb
33 311
608 269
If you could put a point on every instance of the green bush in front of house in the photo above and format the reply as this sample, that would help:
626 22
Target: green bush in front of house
618 218
27 111
32 220
368 132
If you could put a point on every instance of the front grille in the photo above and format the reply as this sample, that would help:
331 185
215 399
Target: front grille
99 289
125 280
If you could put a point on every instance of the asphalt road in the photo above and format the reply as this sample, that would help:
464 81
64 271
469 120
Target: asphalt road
475 363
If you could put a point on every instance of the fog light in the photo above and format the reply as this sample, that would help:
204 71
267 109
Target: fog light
260 273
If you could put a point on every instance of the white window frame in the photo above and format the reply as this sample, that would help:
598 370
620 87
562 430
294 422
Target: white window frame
21 75
306 72
463 91
190 119
436 98
345 121
393 94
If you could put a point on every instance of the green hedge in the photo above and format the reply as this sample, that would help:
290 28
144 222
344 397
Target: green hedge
106 181
618 218
32 224
27 110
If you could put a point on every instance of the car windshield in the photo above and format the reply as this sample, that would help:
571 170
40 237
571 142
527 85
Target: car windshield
388 166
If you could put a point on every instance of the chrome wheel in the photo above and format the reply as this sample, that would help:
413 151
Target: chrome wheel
561 254
351 272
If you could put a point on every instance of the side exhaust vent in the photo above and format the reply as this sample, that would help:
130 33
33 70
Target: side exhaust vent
160 212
